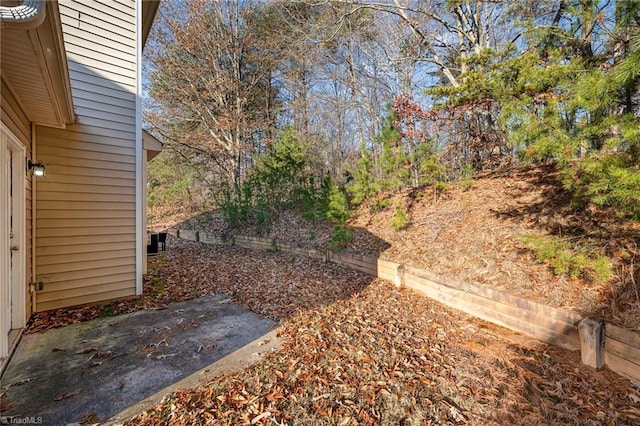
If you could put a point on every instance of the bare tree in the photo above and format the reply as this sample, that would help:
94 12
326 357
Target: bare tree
208 84
452 38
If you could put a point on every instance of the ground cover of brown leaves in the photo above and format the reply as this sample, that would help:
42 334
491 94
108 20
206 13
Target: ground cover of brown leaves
473 232
360 351
274 285
356 350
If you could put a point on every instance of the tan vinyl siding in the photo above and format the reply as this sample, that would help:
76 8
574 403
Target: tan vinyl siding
83 214
82 141
90 285
16 120
86 203
70 298
100 29
80 282
82 197
98 273
101 11
96 242
104 68
85 89
103 53
13 116
78 248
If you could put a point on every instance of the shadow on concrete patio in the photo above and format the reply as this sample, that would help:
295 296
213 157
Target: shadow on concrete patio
92 371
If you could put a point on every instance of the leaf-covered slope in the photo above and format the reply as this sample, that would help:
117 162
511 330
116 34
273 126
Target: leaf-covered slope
477 231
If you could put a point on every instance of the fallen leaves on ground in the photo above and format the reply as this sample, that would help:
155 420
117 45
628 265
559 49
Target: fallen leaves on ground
275 285
388 356
356 350
474 232
89 418
63 396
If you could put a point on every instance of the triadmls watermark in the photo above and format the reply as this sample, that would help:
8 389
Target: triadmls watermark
21 420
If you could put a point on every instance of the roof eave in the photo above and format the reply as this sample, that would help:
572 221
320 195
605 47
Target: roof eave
40 20
57 65
149 10
151 144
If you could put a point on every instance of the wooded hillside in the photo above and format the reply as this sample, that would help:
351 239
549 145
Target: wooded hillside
324 106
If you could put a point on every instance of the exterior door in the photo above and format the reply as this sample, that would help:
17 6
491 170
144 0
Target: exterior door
12 236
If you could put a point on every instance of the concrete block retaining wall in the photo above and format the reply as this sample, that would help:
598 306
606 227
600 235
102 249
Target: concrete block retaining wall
600 343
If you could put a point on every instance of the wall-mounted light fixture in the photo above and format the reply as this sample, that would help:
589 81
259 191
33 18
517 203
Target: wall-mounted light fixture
37 169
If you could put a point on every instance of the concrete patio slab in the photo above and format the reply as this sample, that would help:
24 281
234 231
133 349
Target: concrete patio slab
92 371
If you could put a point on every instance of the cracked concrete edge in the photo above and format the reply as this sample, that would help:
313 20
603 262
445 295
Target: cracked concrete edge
237 360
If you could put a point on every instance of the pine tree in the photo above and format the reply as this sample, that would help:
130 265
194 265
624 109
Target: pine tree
364 184
394 162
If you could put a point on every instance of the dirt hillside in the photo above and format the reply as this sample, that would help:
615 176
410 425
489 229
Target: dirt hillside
476 230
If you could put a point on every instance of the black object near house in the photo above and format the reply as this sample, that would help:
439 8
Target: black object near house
162 240
152 243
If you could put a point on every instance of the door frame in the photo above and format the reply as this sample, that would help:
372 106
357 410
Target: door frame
14 288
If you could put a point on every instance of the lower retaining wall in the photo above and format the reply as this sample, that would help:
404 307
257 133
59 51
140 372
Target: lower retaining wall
368 265
599 343
300 249
622 350
207 237
255 243
556 326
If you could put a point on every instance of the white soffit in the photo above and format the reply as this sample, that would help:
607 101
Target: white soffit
33 61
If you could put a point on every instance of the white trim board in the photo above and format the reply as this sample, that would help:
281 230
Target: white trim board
140 187
13 279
